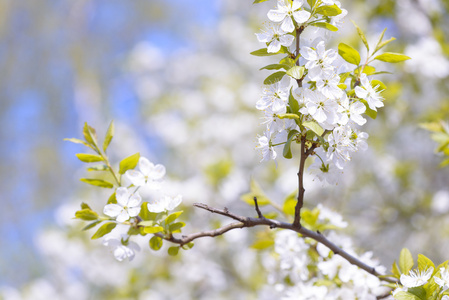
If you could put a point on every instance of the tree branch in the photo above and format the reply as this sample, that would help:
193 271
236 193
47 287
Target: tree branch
246 222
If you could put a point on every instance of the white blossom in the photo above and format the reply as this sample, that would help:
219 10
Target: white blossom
416 278
275 96
148 172
351 111
443 282
370 94
128 205
266 147
275 37
319 60
121 247
286 11
164 203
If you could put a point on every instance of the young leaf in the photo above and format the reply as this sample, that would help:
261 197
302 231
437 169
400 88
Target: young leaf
145 214
173 251
314 127
78 141
86 215
85 206
187 246
176 226
129 163
264 52
156 243
91 225
273 78
172 217
391 57
255 191
311 3
369 112
287 152
395 270
325 25
380 40
384 43
287 61
104 229
98 182
276 67
362 35
379 84
153 229
349 54
405 261
112 199
405 296
109 136
329 10
88 158
296 72
89 134
98 168
425 263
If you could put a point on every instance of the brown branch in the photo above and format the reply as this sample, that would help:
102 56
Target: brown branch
301 190
259 213
246 222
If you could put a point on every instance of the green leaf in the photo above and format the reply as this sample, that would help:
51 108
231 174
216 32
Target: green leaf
273 78
98 168
419 292
112 199
395 270
85 206
368 70
153 229
276 67
380 40
405 261
444 163
98 182
78 141
90 135
104 229
391 57
88 158
290 203
292 102
349 54
296 72
156 243
288 116
255 191
362 35
176 226
262 244
86 215
129 163
384 43
91 225
287 61
314 127
425 263
405 296
379 84
329 10
325 26
145 214
287 152
264 52
369 112
109 136
172 217
188 246
173 251
311 3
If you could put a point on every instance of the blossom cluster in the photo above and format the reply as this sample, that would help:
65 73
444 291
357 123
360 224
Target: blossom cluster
317 94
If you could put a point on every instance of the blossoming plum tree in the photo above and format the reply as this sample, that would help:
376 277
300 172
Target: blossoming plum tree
314 105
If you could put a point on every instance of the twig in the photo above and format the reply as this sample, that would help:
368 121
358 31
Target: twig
246 222
259 213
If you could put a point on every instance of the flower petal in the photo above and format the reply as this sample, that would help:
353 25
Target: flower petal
136 178
157 172
112 210
123 216
276 15
134 200
134 211
145 166
174 202
122 196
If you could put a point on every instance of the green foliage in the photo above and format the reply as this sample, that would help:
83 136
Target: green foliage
273 78
276 67
391 57
98 168
91 225
293 103
86 214
349 54
314 126
153 229
362 35
109 136
89 158
104 229
369 112
328 10
325 25
296 72
145 214
172 217
175 227
287 152
405 296
98 182
173 251
255 191
156 243
405 261
264 239
129 163
264 52
424 263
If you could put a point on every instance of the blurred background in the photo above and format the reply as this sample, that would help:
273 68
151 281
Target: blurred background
177 78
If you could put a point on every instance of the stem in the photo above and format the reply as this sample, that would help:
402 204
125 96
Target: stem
301 190
245 222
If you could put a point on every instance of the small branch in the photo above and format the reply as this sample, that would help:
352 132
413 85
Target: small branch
301 190
257 209
246 222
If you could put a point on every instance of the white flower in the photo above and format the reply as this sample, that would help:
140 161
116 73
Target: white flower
325 171
339 145
370 94
121 249
276 37
351 112
266 147
165 203
321 108
443 282
275 96
328 83
286 11
319 60
128 205
148 171
416 278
